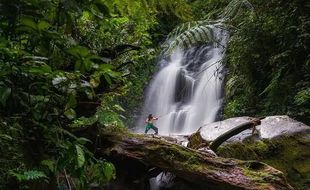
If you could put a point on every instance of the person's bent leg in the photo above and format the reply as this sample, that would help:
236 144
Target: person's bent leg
156 130
147 128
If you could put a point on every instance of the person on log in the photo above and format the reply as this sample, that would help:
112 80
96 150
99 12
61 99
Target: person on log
150 124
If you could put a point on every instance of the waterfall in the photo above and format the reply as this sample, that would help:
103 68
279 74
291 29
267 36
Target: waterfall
186 92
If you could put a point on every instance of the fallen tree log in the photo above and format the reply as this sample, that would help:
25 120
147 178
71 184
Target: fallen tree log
203 169
235 131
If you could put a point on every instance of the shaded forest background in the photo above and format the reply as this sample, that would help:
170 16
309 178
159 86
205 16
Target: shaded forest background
67 65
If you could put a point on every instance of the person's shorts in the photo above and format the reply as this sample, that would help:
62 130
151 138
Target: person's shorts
149 126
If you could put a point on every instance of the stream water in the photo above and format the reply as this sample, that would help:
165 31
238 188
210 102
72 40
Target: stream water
187 91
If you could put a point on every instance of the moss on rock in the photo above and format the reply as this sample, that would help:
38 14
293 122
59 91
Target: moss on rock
289 154
195 141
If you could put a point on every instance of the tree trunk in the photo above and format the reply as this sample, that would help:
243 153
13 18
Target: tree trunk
235 131
203 169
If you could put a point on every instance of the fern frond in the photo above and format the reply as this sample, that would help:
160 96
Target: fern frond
195 32
233 8
274 83
189 34
29 175
232 85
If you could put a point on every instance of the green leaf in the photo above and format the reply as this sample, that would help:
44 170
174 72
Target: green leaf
83 140
29 22
118 108
78 66
28 175
41 70
43 25
71 101
302 97
108 118
107 78
5 92
78 51
114 74
109 171
5 137
70 113
105 67
94 57
88 64
49 163
95 11
83 121
19 177
80 156
34 175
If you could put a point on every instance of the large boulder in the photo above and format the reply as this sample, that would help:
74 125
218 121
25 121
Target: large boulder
279 141
271 127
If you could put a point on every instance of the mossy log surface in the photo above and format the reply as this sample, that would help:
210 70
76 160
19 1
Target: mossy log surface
191 165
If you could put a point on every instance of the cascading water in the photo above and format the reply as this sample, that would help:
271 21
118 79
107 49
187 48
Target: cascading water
187 91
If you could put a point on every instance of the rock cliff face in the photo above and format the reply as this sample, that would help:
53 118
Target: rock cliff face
279 141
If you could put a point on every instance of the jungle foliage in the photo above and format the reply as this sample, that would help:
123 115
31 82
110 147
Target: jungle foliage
64 64
69 64
268 61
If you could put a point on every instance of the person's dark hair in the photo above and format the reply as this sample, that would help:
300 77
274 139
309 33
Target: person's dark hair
149 117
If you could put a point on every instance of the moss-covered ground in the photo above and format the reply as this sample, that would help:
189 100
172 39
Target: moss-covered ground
289 154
